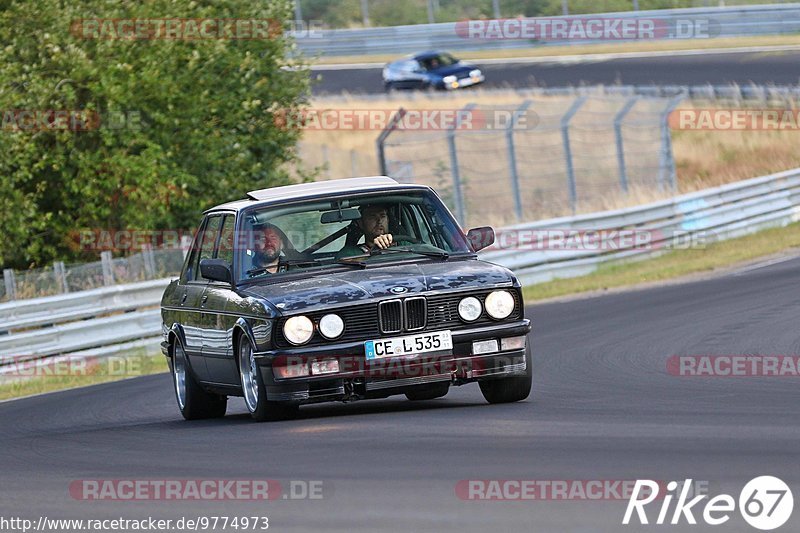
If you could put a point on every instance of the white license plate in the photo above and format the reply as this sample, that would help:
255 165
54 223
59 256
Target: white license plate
436 341
466 82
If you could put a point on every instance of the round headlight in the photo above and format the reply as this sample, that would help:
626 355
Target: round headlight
499 304
298 329
470 309
449 79
331 326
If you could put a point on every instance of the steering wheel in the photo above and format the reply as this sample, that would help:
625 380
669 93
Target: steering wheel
407 238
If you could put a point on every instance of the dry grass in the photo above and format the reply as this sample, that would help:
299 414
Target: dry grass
605 48
703 158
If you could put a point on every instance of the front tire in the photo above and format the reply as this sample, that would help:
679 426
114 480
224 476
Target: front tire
254 391
193 402
512 389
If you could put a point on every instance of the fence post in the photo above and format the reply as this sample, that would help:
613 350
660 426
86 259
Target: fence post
565 120
10 283
512 158
326 159
565 7
666 165
149 261
186 244
623 173
458 194
60 274
353 163
108 268
381 142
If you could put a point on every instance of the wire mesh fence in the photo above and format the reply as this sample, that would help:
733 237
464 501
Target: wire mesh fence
567 151
60 278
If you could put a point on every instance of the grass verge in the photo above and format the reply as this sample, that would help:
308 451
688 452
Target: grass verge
674 264
568 50
69 373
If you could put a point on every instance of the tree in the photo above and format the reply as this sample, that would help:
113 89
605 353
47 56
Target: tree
156 130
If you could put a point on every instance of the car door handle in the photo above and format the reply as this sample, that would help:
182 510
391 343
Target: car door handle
204 300
183 298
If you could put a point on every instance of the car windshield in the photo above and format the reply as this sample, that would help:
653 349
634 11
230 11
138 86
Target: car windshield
334 234
438 61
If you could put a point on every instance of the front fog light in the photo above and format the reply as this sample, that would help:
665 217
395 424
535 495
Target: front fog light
483 347
298 330
499 304
469 309
325 366
331 326
513 343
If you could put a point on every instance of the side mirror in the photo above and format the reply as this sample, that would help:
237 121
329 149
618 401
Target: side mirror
480 238
216 270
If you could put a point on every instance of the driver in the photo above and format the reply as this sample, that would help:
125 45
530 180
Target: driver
269 244
374 223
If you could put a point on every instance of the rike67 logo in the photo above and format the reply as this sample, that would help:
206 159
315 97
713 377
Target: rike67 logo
766 503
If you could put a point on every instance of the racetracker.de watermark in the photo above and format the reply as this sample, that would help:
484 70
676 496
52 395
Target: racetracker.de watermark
587 29
734 365
193 29
21 366
197 489
74 120
569 239
735 119
407 119
559 489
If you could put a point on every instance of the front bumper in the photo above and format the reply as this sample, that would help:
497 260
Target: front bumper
358 378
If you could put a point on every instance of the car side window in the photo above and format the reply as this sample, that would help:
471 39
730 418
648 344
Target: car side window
225 251
203 247
191 264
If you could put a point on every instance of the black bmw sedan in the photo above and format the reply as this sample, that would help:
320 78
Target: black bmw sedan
431 70
340 291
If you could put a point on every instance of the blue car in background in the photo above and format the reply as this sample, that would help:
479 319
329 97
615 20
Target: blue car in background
430 70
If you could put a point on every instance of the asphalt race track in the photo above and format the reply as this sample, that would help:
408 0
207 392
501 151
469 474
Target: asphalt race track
779 68
604 408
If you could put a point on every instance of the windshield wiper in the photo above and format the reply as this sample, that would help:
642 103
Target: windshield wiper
427 253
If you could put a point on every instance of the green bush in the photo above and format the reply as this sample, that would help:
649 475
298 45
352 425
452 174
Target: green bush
183 124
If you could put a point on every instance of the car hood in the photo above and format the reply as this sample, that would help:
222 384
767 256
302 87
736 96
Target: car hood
324 290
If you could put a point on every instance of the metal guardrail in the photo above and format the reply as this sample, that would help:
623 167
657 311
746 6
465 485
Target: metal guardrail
719 213
35 312
740 21
713 214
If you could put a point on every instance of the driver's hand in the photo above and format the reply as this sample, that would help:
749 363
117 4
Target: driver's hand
383 241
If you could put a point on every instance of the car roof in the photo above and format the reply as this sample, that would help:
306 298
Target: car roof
312 190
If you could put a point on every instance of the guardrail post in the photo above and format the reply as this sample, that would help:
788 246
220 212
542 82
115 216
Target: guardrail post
512 158
666 165
458 194
565 120
10 282
60 274
381 142
623 173
108 268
